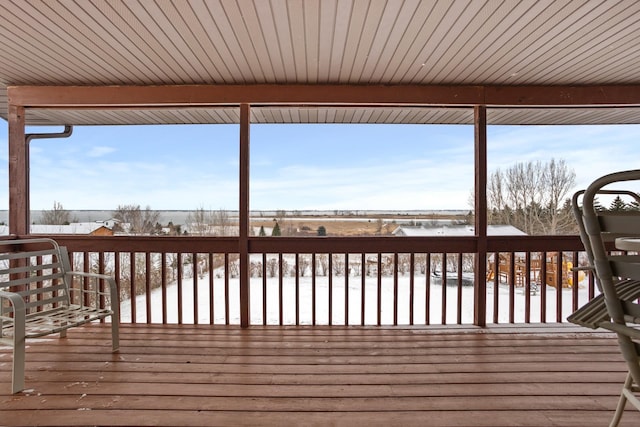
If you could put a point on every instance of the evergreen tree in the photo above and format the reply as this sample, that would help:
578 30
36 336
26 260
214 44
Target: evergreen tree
322 231
276 230
618 205
262 232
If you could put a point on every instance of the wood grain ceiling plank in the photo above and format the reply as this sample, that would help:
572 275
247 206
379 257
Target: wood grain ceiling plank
155 42
368 30
326 35
312 38
418 40
119 38
398 34
163 20
452 26
598 31
357 20
238 37
272 42
493 41
295 13
609 57
257 41
340 27
210 35
375 33
57 40
29 45
180 22
87 27
531 44
484 36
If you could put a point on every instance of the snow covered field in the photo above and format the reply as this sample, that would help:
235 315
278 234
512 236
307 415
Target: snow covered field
338 297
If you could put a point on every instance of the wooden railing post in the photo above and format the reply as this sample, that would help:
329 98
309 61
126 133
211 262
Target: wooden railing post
243 241
18 173
480 137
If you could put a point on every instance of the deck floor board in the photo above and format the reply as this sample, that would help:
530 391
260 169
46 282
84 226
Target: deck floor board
167 375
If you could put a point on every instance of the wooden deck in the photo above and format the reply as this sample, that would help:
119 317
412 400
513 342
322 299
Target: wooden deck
206 376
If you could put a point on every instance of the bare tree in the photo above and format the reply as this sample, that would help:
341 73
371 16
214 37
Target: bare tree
56 216
199 222
139 221
221 222
532 197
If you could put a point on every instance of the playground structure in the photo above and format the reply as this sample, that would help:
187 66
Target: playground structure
515 271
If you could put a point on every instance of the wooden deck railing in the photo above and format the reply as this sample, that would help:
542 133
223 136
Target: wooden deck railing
337 281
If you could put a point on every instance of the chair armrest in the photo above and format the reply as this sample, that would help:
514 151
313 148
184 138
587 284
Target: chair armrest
19 309
113 288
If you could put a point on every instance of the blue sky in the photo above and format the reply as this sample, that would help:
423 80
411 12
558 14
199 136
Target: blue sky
327 167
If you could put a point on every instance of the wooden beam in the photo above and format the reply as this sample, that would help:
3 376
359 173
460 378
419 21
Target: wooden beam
18 173
343 95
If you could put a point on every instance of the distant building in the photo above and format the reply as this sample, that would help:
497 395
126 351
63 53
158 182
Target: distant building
456 230
83 228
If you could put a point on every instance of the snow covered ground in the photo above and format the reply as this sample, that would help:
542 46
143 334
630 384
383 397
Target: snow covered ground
201 288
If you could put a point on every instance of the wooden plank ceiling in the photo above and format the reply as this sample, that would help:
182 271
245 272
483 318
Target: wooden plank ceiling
357 42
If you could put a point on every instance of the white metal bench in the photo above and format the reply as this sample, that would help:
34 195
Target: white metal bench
38 297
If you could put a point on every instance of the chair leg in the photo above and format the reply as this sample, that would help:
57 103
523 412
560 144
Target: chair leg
621 402
115 334
17 372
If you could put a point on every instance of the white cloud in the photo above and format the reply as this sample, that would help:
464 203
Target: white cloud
100 151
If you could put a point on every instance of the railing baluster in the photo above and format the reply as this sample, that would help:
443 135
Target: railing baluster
574 281
558 270
313 289
147 283
459 301
330 289
116 274
194 272
346 289
512 286
363 284
212 299
411 286
227 273
297 270
86 268
527 288
395 288
427 293
280 285
543 286
379 274
443 268
496 286
179 287
264 289
163 285
132 280
101 270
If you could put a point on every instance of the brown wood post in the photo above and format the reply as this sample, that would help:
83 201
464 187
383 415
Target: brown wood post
18 173
243 241
480 206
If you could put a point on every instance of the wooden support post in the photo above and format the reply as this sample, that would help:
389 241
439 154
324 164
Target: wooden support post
480 206
245 119
18 173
